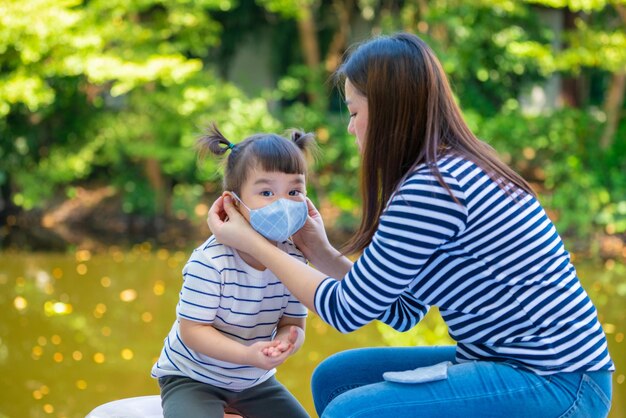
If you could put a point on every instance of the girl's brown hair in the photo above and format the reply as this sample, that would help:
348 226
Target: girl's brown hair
268 151
413 120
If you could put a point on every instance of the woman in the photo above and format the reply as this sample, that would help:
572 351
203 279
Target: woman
447 224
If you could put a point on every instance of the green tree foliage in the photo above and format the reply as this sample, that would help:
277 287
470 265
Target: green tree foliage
112 91
497 52
115 92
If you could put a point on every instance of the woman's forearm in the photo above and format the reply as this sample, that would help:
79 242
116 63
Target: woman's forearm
301 280
331 262
231 229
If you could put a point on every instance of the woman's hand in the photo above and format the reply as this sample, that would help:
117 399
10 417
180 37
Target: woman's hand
313 242
230 227
311 239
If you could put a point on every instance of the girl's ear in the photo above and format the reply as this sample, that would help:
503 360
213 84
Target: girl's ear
232 197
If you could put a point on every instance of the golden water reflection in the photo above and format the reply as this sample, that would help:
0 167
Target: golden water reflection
82 329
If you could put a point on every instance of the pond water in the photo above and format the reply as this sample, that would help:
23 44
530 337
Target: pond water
81 329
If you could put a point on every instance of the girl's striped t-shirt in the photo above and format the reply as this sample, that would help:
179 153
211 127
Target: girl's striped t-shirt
492 262
243 303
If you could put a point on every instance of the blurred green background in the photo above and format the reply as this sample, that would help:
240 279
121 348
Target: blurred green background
102 196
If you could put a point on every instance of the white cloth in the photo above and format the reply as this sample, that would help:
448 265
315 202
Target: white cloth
432 373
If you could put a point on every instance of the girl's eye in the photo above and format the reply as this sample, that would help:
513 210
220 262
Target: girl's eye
295 192
352 115
266 193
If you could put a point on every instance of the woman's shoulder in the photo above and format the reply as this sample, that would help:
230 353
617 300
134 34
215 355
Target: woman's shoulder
456 173
450 170
447 165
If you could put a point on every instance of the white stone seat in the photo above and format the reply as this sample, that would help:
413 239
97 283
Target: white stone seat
138 407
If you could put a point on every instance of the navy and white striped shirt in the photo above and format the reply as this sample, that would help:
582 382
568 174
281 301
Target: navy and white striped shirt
243 303
496 269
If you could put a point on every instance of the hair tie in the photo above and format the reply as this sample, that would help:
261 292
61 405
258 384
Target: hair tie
231 145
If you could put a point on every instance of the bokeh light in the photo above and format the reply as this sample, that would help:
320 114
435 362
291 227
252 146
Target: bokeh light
20 303
128 295
90 335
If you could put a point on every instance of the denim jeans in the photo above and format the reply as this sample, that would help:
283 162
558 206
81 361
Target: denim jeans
350 385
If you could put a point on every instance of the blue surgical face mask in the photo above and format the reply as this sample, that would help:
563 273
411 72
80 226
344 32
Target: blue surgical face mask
279 220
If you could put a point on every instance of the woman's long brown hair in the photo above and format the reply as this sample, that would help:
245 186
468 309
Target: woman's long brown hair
413 120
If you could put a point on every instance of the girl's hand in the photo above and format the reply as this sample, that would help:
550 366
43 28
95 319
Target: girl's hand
311 239
256 355
287 346
229 226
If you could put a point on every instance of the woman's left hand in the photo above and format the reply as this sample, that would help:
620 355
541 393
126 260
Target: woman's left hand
311 239
229 227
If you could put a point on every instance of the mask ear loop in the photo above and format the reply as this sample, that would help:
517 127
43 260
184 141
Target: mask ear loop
239 200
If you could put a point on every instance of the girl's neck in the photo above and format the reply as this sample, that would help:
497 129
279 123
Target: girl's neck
251 261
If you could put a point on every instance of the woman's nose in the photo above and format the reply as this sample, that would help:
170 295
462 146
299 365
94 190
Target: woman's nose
351 127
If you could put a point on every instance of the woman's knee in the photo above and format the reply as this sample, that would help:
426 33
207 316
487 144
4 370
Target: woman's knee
324 373
330 378
326 367
329 368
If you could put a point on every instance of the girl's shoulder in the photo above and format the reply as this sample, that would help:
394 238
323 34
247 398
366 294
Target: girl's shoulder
212 246
210 251
290 248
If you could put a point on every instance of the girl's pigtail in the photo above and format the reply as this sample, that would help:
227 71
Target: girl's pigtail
305 141
213 141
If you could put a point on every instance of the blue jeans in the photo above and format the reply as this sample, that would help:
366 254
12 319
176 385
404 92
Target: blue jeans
350 385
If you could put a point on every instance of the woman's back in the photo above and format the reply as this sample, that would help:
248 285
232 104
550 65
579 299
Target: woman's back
493 264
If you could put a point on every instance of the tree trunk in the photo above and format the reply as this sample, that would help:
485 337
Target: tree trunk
309 43
339 42
161 192
6 205
308 37
614 101
571 87
613 108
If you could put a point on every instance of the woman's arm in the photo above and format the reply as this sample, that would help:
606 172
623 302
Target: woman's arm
421 217
313 242
230 228
301 279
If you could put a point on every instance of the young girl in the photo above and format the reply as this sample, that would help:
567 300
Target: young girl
236 321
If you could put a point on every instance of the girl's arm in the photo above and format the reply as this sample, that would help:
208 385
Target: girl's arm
290 333
205 339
